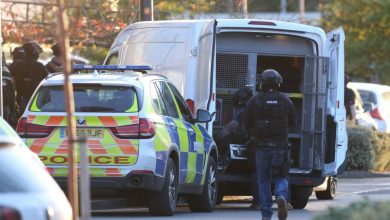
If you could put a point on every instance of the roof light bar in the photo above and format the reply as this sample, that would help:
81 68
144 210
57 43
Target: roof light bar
111 67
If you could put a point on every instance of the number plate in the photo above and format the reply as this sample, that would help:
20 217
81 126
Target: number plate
89 133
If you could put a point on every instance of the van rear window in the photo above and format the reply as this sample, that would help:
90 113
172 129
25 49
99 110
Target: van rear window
87 98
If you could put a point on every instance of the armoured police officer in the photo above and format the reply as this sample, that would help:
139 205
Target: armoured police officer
268 116
28 73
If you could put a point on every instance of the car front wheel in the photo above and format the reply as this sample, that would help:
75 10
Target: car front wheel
206 201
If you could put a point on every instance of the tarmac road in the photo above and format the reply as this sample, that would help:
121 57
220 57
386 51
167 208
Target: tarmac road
348 191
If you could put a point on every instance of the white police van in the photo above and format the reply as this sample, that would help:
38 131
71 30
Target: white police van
209 60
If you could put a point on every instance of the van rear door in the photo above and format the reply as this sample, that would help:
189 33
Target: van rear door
334 49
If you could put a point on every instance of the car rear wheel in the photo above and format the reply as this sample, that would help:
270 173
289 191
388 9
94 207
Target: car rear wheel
206 201
163 203
330 191
300 196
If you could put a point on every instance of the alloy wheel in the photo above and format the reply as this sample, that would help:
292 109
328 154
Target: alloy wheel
212 185
172 188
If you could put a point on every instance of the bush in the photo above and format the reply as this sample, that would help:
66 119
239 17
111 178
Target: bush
360 210
382 152
367 149
360 154
94 54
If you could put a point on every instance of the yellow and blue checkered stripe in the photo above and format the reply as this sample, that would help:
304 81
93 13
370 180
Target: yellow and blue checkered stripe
193 147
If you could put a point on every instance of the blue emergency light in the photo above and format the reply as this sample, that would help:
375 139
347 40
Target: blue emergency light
77 67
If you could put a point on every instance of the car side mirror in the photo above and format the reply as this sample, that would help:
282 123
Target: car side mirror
368 106
203 116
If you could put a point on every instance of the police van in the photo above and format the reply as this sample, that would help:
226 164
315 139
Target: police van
143 143
209 60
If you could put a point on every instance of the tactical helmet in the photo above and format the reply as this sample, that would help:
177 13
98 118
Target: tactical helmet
270 78
56 49
242 96
18 53
347 79
32 48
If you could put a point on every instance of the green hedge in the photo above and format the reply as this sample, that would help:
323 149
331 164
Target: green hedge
362 210
382 152
367 149
95 54
360 148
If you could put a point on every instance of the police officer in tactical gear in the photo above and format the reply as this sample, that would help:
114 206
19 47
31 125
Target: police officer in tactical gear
349 100
28 73
268 116
55 64
240 99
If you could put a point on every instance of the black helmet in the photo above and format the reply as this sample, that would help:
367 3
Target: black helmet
270 79
347 79
242 96
32 48
18 53
56 49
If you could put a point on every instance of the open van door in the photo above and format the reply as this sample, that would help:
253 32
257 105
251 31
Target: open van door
206 71
336 149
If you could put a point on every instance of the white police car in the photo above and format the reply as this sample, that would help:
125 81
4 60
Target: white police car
141 137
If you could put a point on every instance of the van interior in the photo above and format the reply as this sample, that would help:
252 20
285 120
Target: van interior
237 64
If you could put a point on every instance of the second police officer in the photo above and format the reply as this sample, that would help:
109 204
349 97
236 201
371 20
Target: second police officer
268 116
240 99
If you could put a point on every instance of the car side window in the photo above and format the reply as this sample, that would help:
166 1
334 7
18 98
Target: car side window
185 112
168 99
157 101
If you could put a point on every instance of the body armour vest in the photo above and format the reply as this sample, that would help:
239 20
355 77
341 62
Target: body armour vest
271 119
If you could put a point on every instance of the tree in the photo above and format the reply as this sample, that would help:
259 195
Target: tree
90 21
367 27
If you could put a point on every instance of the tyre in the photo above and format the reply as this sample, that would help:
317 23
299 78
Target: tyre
206 201
300 196
330 191
163 203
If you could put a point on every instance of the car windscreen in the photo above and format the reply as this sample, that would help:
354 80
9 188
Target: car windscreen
87 98
386 103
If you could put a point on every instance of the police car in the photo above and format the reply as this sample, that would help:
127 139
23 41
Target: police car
142 139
